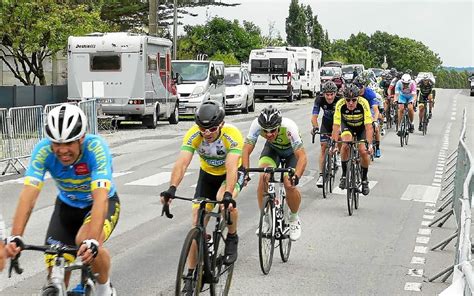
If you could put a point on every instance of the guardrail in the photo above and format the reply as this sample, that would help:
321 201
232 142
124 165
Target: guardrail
459 185
22 127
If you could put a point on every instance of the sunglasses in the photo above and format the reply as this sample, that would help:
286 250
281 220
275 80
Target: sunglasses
351 100
271 131
210 130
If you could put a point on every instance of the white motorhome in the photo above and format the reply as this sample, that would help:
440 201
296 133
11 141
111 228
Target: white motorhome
199 81
129 74
274 72
309 63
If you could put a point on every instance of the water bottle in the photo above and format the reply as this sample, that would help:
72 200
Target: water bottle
210 244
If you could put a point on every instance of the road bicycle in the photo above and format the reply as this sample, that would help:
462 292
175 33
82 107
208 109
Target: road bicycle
353 175
329 166
209 256
274 224
56 286
404 127
425 120
389 114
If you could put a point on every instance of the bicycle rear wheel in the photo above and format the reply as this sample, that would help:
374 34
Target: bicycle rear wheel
425 122
333 172
266 236
349 187
186 283
357 185
222 272
285 242
407 133
402 132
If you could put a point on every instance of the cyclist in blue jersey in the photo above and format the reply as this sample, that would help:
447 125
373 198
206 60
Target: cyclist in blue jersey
405 93
87 206
370 95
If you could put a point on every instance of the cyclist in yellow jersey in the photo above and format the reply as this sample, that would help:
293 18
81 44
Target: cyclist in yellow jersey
353 117
219 146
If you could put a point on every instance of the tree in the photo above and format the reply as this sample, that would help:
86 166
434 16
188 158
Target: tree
220 36
32 32
296 25
273 38
309 23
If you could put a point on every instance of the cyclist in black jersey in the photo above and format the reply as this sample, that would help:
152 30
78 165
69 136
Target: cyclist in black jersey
426 87
327 102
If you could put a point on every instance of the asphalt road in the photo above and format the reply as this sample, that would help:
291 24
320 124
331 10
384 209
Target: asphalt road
369 253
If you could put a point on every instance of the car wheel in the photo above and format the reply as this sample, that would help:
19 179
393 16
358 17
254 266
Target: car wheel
245 110
252 106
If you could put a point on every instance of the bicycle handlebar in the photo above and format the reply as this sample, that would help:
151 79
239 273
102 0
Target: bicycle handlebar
166 207
320 133
271 170
50 249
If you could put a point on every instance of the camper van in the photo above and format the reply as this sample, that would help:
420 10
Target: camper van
128 74
199 81
309 63
274 72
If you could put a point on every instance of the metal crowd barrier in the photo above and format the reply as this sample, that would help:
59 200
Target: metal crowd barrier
22 127
460 188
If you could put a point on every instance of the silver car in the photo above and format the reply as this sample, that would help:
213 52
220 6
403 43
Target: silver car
238 89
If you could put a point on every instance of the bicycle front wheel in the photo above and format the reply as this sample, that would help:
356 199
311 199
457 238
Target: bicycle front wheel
50 290
285 242
190 283
357 185
349 187
402 132
266 235
326 173
333 171
222 272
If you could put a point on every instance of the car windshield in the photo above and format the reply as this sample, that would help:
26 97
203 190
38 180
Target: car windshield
191 71
347 69
232 78
327 72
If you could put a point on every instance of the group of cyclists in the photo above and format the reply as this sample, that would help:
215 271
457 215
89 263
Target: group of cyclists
87 207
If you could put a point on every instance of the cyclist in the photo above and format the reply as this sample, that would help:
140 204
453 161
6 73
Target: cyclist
396 76
327 102
87 206
282 141
339 81
219 146
426 87
371 97
353 117
405 93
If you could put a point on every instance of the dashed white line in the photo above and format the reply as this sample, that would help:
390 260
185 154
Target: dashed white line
422 239
428 217
418 260
420 250
415 272
424 231
425 223
416 287
430 211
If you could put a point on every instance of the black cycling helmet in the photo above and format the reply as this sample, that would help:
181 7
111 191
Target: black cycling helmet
360 81
351 91
329 87
209 114
399 75
269 118
393 72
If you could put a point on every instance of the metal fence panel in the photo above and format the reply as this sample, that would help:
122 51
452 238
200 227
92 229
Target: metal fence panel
4 135
26 129
90 109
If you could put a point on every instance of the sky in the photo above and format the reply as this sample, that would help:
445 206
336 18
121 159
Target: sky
446 27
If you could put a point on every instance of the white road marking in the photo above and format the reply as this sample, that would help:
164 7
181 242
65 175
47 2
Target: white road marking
415 272
430 211
428 217
418 260
153 180
422 239
337 190
436 184
421 193
424 231
420 249
425 223
416 287
432 205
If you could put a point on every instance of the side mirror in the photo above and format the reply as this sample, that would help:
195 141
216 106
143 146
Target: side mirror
178 79
213 79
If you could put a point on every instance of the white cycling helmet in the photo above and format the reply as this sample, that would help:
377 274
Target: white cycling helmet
66 123
406 78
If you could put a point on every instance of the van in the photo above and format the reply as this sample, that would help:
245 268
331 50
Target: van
309 63
128 74
274 72
239 92
198 81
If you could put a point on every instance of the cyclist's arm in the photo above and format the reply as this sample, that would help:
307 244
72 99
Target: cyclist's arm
369 132
314 120
98 213
26 203
231 166
180 167
301 163
246 151
376 112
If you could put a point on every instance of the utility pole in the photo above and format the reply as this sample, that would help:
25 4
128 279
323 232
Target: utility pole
175 27
152 15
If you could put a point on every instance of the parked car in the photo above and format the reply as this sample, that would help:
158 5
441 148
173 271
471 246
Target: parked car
348 71
332 64
377 71
239 91
328 73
